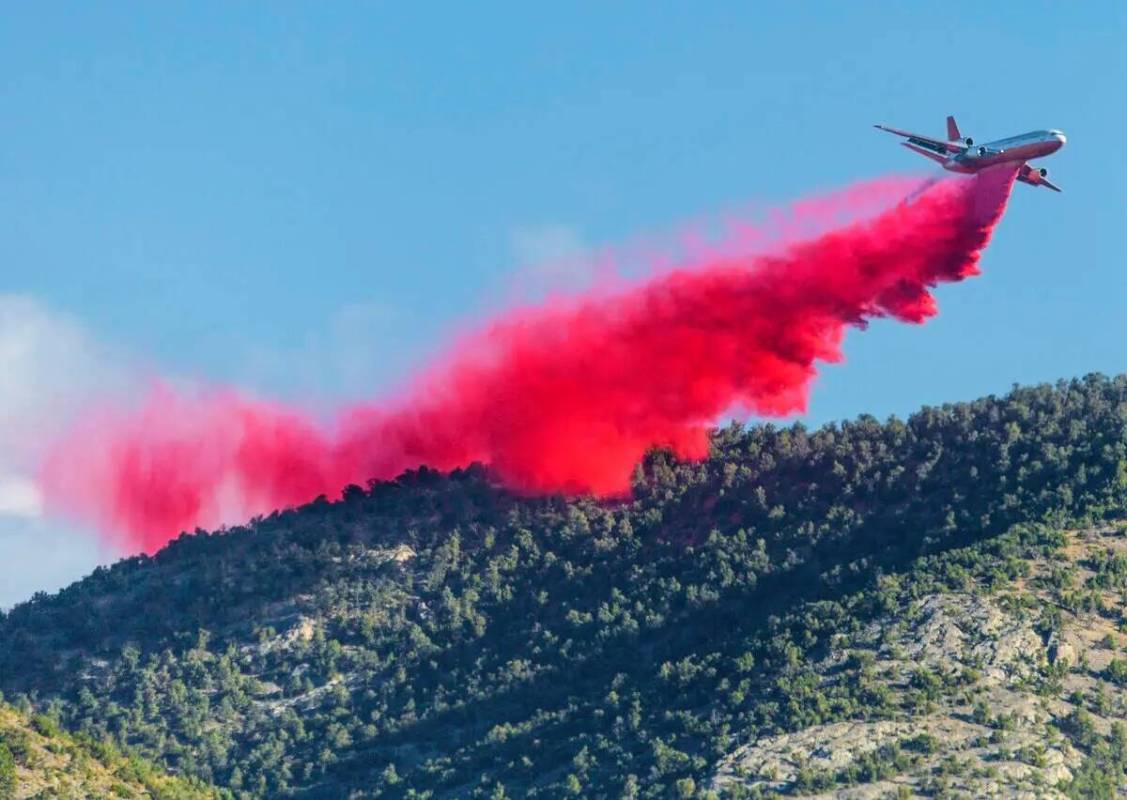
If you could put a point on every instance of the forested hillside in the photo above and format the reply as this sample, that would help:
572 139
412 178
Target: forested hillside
38 760
921 607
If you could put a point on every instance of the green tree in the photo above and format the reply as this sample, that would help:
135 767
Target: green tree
7 773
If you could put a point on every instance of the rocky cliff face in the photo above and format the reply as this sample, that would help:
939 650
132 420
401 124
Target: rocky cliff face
996 687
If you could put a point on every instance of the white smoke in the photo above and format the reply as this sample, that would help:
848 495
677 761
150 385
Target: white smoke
50 367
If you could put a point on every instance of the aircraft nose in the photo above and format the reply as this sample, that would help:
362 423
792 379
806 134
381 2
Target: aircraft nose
1060 137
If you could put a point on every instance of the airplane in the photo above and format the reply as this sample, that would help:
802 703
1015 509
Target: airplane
959 154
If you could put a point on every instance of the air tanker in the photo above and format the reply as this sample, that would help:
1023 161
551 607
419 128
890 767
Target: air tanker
960 154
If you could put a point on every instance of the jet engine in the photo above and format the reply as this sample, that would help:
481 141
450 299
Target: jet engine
1044 173
982 151
969 141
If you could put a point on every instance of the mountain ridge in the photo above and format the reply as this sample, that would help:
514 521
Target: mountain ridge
438 636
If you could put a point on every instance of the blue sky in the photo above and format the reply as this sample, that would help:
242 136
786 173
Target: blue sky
305 199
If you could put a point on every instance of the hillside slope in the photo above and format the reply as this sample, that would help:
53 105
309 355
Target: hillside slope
870 609
38 760
1001 671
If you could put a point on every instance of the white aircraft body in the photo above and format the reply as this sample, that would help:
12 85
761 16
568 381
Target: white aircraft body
960 154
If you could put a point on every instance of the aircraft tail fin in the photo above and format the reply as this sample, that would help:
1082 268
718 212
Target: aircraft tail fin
953 134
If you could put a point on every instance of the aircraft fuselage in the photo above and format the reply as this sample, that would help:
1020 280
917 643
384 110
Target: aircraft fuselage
1026 147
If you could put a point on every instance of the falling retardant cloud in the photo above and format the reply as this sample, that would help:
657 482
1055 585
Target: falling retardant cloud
564 395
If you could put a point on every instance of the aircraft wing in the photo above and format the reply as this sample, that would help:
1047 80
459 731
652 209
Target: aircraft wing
925 153
1033 177
926 142
1048 184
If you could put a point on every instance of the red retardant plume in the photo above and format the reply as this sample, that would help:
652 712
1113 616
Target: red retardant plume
566 396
